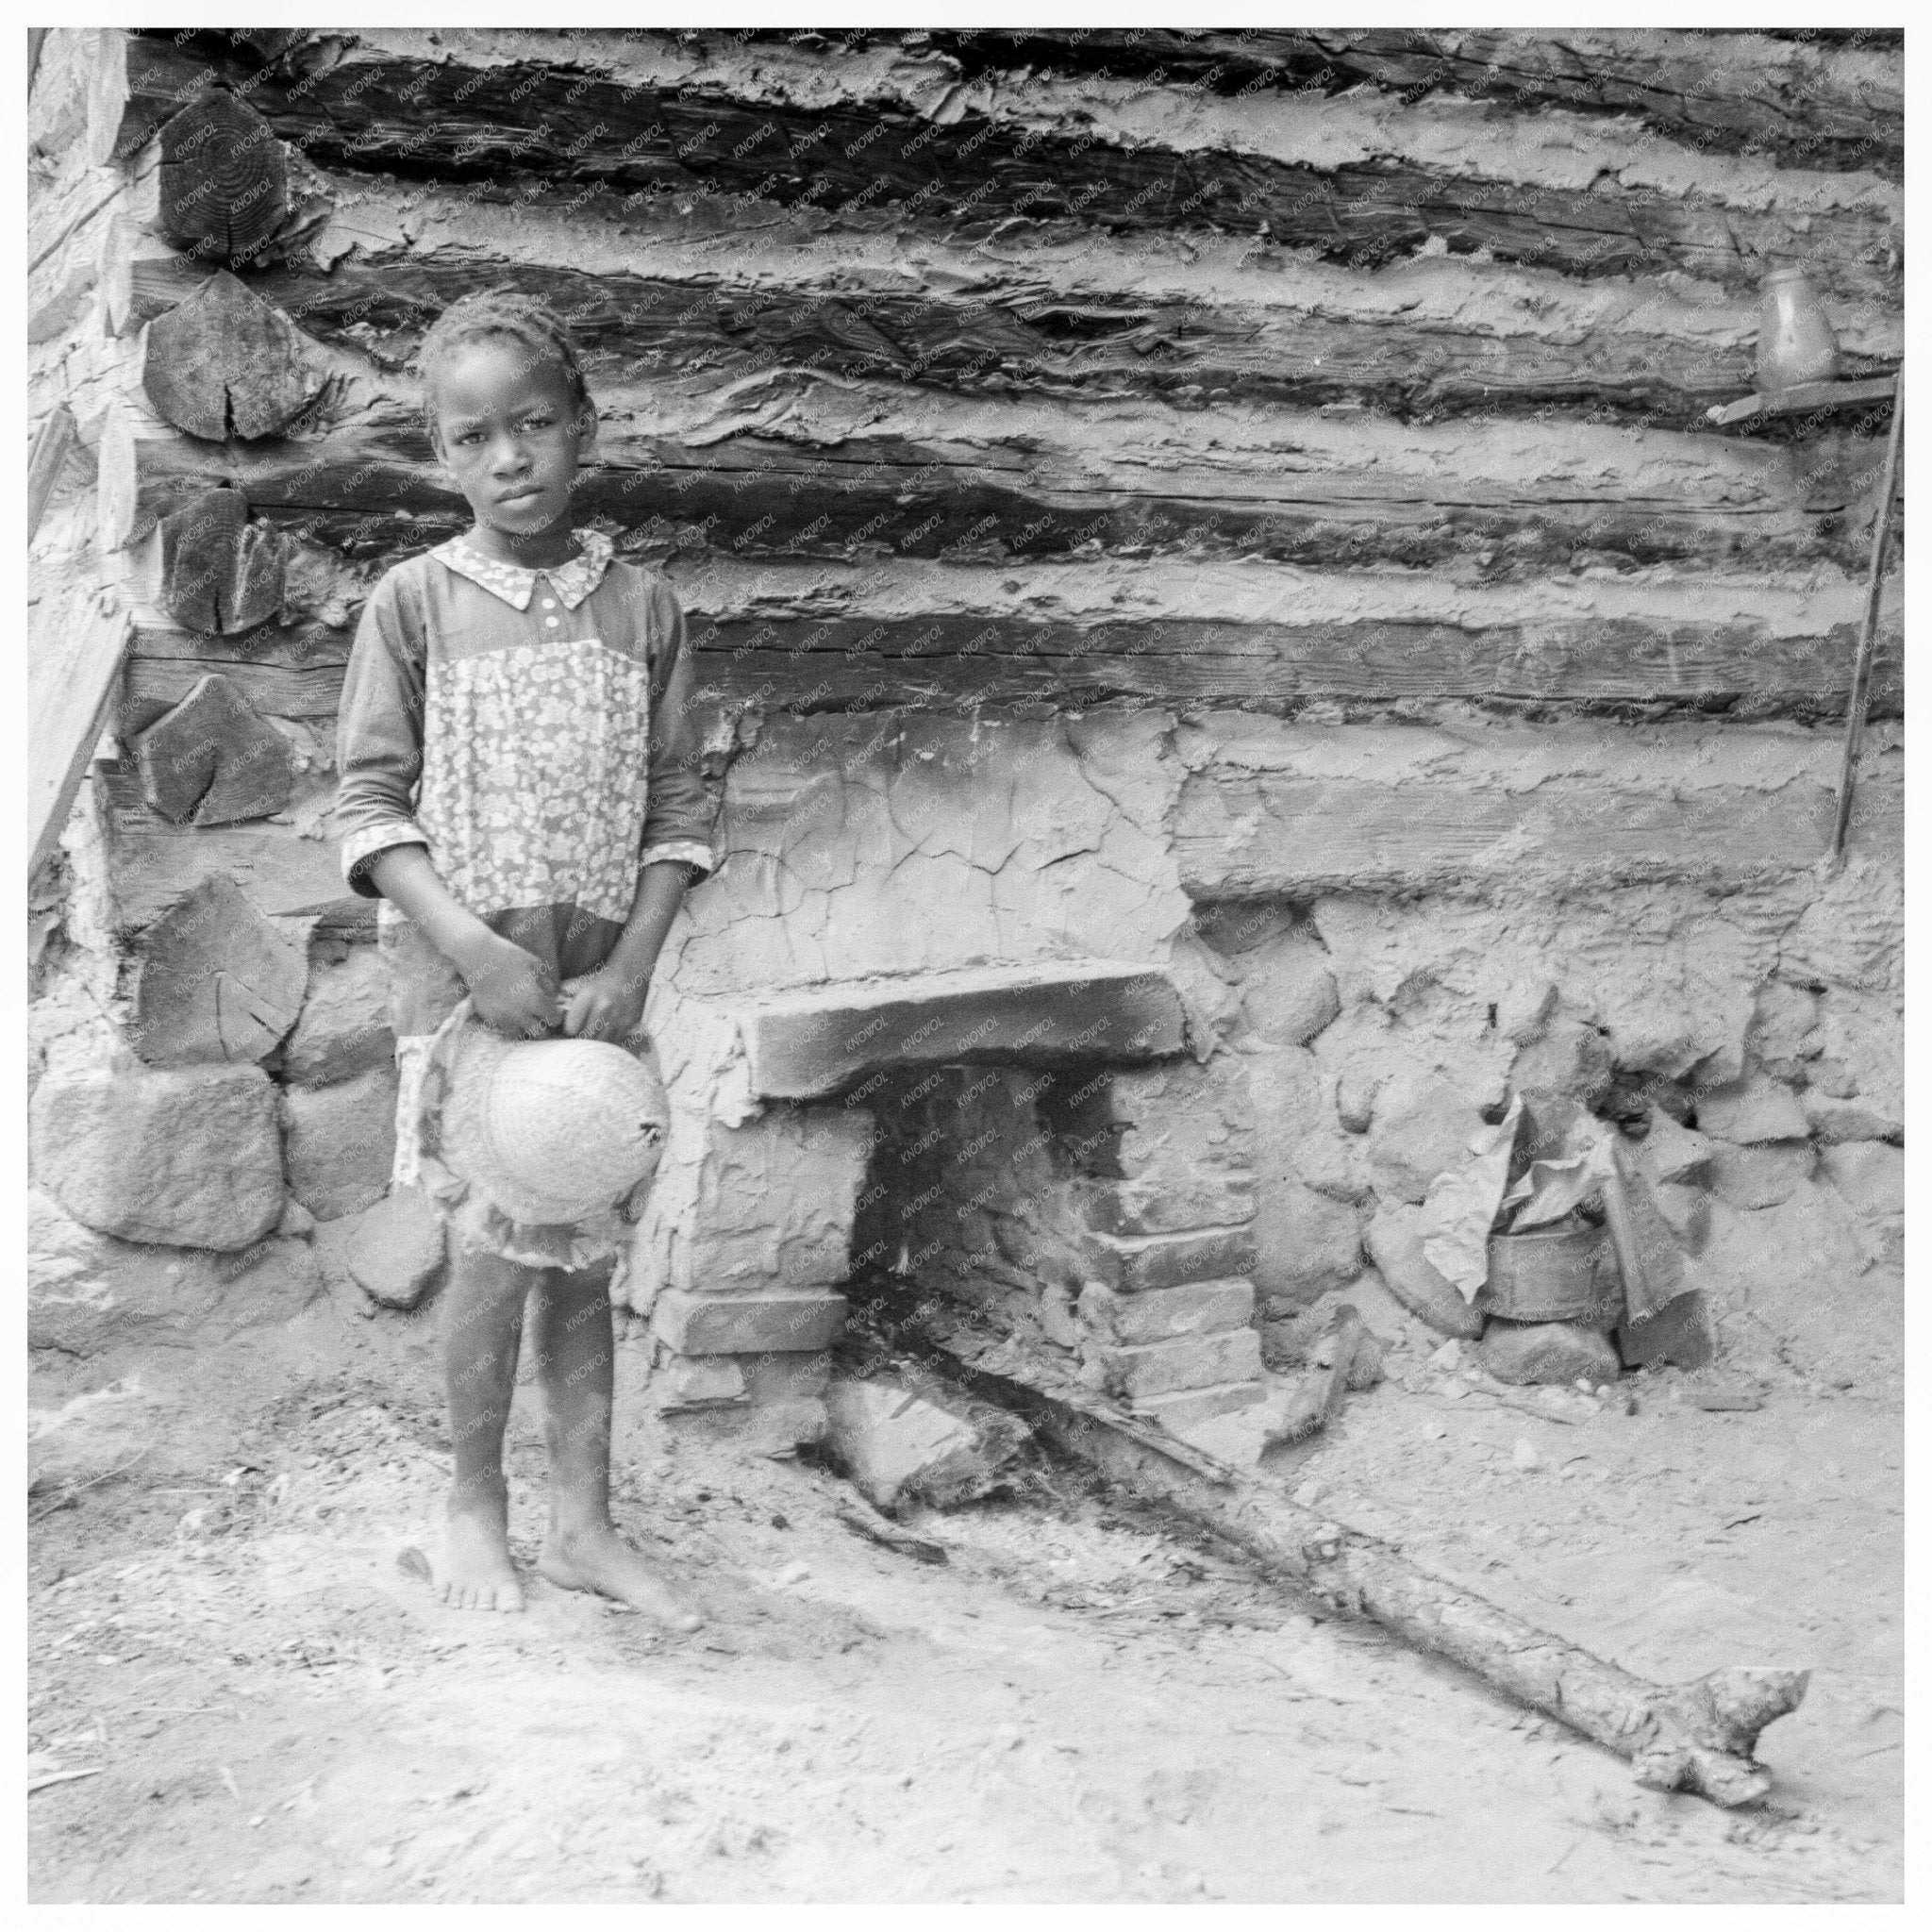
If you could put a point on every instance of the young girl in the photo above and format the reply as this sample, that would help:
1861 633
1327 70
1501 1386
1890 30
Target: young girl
519 788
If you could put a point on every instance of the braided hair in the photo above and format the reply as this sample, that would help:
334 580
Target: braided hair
508 314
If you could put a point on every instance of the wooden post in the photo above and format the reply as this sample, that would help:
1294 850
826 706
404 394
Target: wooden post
1861 671
75 643
52 440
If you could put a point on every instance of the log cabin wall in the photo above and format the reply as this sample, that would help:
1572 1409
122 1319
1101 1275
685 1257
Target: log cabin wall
1235 501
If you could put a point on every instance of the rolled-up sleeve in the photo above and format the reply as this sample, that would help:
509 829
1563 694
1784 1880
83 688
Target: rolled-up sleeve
678 812
379 735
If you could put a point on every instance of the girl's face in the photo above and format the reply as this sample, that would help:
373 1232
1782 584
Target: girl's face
511 433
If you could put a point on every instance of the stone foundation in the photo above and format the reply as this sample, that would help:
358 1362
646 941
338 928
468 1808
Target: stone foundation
1283 1057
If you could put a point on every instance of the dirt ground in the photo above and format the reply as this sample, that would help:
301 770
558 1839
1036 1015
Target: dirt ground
1082 1703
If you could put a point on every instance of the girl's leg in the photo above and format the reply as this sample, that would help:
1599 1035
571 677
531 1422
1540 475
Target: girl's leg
483 1320
583 1551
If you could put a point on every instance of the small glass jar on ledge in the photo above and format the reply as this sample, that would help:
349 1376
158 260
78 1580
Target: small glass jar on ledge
1795 342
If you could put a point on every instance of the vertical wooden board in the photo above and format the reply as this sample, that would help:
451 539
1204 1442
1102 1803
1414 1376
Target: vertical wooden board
53 439
76 638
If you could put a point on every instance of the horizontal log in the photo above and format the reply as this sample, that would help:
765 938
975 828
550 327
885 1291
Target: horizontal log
1620 669
1022 337
825 467
945 635
152 686
859 665
1817 106
155 864
1445 813
298 647
805 482
423 114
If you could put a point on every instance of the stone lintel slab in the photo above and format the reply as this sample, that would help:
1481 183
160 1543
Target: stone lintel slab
805 1044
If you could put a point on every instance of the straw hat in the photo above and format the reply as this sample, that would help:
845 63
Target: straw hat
551 1130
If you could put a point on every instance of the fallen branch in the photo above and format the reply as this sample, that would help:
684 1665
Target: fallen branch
1697 1737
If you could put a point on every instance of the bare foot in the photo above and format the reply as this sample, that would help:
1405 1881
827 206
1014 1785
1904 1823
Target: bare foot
476 1572
596 1558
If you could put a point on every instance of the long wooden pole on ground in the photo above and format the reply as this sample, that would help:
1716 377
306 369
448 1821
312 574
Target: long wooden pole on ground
1861 670
1696 1737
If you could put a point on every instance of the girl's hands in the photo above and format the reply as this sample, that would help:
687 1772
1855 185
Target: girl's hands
608 1003
511 990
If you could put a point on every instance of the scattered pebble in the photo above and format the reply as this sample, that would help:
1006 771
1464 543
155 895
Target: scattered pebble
1523 1454
794 1573
1006 1737
1309 1494
1447 1357
1431 1431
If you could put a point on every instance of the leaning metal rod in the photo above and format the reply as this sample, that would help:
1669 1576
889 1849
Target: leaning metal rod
1867 636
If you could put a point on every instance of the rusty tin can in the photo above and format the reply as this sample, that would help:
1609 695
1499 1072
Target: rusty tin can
1567 1272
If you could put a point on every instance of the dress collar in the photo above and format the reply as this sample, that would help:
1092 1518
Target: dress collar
572 581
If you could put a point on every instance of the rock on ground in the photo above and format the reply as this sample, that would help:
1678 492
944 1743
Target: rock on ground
187 1157
899 1444
1551 1352
396 1250
1680 1333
